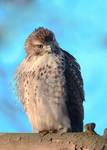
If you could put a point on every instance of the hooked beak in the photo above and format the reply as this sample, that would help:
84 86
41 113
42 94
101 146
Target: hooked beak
49 48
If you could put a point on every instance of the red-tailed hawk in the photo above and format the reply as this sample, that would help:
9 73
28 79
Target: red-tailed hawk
50 85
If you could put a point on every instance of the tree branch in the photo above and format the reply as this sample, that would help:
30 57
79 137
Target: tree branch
87 140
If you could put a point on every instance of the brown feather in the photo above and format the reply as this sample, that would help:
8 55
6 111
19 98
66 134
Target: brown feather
75 92
44 35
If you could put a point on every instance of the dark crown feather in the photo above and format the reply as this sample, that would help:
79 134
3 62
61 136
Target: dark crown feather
44 35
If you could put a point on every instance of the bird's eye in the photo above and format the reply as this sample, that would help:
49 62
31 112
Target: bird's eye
39 46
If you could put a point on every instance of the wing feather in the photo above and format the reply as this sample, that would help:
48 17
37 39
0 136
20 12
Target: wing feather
75 92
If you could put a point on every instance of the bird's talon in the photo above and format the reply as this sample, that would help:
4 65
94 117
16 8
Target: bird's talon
44 132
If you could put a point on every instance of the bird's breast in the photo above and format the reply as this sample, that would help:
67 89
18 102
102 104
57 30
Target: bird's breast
46 91
48 75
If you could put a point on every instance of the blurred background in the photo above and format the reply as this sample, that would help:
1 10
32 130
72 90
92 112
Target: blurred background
80 27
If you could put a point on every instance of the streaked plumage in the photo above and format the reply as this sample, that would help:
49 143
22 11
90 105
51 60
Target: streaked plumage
50 85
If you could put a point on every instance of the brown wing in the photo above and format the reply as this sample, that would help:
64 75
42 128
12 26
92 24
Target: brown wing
75 92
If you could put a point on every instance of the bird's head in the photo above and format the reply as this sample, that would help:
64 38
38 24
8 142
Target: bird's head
41 41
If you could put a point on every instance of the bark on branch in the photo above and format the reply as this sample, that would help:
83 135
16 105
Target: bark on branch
87 140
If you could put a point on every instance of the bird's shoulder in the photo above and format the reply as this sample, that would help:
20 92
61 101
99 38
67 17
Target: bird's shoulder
73 76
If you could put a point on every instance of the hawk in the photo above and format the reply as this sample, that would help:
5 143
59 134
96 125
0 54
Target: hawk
50 85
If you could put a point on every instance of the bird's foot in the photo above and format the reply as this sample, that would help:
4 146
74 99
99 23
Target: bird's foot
43 132
63 130
53 131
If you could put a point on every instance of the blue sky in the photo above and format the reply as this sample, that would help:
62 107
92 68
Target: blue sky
80 27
